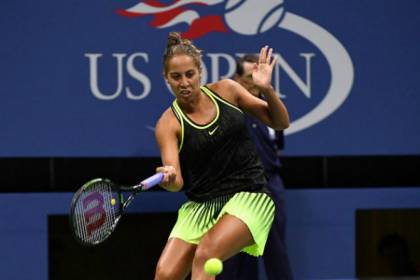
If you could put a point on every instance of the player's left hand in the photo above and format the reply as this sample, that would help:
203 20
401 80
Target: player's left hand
262 71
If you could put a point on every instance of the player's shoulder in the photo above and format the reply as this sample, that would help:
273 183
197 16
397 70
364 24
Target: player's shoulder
167 120
222 85
226 88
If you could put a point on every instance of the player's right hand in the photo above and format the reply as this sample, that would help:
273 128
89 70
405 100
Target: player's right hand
169 175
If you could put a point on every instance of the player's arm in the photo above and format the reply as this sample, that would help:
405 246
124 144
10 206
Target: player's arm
166 132
272 111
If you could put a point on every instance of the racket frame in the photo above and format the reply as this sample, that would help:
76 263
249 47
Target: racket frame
122 204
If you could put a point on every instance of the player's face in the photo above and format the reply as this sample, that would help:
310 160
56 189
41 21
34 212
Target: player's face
246 79
183 76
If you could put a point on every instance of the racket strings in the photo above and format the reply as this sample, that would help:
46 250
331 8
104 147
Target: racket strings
95 214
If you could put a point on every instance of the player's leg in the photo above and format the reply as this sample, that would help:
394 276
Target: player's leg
224 240
175 260
243 225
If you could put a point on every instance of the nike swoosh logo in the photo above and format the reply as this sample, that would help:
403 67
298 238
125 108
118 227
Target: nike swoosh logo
211 132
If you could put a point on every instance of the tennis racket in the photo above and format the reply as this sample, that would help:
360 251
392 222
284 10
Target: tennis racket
98 206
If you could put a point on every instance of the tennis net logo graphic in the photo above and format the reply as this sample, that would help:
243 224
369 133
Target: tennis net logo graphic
180 11
247 17
251 18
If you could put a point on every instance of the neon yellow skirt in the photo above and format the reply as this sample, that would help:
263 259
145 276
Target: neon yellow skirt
256 210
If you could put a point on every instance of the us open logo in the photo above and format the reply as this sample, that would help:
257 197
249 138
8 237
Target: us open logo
253 18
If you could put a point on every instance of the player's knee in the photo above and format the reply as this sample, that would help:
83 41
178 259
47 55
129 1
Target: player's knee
203 253
165 272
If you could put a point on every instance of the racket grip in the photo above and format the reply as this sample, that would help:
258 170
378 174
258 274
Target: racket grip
152 181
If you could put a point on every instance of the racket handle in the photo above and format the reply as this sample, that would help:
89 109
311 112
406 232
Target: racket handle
152 181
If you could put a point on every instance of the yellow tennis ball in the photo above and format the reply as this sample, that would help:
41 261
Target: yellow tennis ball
113 201
213 266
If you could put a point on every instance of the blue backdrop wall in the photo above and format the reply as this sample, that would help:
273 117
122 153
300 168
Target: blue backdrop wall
84 78
320 233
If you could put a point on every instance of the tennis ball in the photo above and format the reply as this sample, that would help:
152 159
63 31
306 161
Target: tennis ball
113 201
213 266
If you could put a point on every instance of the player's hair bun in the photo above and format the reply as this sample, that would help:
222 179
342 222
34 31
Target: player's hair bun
174 38
177 45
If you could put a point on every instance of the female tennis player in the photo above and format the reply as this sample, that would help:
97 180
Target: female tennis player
207 152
